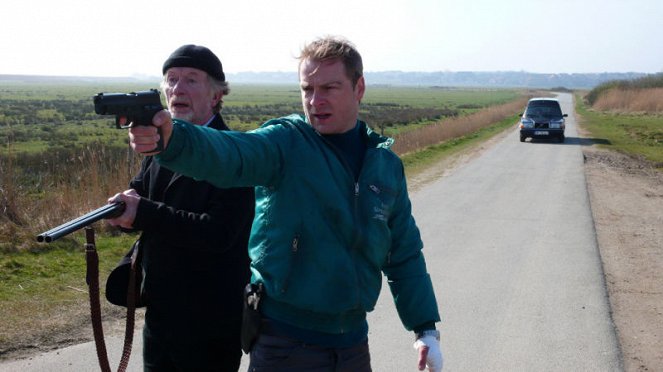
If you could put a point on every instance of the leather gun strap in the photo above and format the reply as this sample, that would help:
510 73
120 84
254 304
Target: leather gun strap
131 311
92 279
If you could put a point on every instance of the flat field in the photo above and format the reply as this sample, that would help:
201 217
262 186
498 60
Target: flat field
59 160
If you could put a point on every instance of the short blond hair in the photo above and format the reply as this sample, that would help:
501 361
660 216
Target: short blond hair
335 48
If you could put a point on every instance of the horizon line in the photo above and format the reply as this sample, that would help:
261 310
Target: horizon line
138 76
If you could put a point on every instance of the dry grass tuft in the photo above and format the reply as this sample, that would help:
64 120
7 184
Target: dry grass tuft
56 188
455 127
648 100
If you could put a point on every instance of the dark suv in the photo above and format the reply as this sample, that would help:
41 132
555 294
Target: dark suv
542 118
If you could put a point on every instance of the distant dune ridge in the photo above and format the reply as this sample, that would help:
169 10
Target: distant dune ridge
498 79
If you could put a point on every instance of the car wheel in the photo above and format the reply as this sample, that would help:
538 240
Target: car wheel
522 138
561 138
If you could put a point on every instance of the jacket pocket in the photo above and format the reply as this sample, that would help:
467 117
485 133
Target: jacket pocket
291 259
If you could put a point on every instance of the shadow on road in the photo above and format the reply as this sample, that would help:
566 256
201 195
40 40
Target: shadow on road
576 141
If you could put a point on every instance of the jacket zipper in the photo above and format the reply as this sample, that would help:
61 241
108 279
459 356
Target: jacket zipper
294 248
356 206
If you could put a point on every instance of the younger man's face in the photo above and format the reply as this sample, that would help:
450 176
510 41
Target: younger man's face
330 102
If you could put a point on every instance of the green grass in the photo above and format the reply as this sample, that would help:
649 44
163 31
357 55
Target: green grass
635 135
44 283
36 118
423 97
58 90
262 95
58 266
40 138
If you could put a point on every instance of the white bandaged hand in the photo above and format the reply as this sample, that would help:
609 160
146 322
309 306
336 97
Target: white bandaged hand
429 352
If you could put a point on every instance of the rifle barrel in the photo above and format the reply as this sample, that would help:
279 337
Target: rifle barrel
107 211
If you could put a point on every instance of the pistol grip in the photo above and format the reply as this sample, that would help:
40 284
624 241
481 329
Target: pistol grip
159 146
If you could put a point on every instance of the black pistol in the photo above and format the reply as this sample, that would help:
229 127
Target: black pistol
138 108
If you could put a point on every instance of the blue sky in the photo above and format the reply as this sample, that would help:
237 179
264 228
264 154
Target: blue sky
133 37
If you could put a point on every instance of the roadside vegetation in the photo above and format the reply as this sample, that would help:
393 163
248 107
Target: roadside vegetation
427 145
627 116
639 95
625 179
59 160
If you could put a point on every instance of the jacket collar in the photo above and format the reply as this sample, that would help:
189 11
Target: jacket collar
373 139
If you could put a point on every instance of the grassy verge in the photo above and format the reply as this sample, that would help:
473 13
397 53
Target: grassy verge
417 161
637 135
36 285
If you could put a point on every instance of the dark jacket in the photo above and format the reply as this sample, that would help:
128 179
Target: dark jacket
194 243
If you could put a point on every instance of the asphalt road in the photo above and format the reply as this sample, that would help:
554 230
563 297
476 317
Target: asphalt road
511 247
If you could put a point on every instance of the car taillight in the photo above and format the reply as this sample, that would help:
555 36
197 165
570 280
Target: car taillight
526 123
556 124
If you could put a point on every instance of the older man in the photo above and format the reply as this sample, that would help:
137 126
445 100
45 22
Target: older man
194 236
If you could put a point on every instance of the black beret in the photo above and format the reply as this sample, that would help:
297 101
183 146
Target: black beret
195 56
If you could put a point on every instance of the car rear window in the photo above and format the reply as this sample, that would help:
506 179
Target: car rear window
543 108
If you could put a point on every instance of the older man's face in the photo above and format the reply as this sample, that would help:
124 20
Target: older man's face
189 94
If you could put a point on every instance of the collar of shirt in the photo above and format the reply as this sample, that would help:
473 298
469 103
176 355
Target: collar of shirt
209 121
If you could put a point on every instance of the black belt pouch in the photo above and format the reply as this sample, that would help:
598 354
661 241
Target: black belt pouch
251 315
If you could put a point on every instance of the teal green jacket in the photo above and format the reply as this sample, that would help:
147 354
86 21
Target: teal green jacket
320 239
